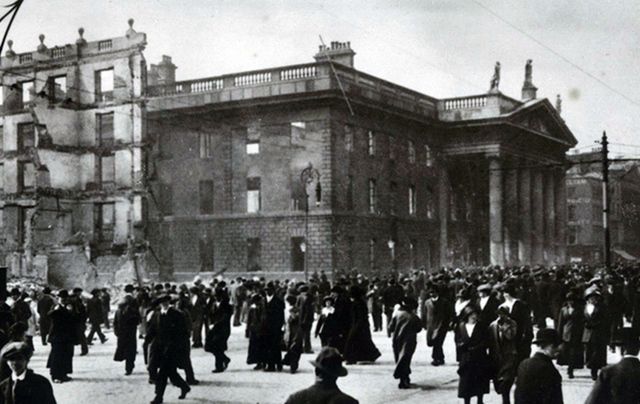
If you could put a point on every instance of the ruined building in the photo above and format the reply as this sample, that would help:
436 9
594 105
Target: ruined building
112 170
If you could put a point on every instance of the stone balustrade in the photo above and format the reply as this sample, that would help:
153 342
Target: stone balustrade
475 101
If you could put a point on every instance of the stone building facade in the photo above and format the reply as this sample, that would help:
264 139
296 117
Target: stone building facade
277 172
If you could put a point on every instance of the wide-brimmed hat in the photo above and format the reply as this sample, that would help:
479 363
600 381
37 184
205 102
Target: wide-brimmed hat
592 291
14 350
409 303
329 361
546 336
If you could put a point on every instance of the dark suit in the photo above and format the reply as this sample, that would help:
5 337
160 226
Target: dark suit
596 337
62 336
271 330
321 393
34 389
489 312
436 317
617 384
538 381
125 325
96 317
166 336
198 312
306 310
521 313
45 304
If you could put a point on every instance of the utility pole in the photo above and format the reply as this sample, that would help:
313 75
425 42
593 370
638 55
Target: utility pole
605 200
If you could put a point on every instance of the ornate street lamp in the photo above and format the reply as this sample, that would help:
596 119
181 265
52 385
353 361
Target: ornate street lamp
307 176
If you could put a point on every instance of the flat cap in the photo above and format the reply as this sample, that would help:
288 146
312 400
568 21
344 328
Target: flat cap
14 350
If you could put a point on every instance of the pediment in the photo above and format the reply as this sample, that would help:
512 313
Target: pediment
542 118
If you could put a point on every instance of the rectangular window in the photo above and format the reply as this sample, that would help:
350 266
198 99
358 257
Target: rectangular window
572 235
28 91
166 199
372 196
350 192
253 195
371 143
1 138
206 145
393 192
428 156
413 261
253 254
104 125
571 212
26 136
298 250
571 192
351 241
104 85
453 206
106 170
206 254
372 253
412 152
412 199
298 133
205 193
1 218
57 90
20 230
26 176
430 203
104 221
348 138
253 147
1 177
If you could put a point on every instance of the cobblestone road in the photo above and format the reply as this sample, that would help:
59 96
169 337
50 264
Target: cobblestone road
98 379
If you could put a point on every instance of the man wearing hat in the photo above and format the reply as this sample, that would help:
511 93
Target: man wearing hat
437 313
271 330
23 386
125 325
487 303
620 383
80 312
305 308
62 337
45 304
595 336
404 327
96 316
538 381
329 367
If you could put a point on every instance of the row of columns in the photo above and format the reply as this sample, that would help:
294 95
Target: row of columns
527 214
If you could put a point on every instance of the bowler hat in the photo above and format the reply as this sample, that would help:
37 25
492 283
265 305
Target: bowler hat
547 336
329 361
128 288
14 350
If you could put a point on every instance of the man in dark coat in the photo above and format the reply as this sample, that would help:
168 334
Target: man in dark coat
241 294
436 316
488 304
81 320
96 316
216 340
404 328
503 353
620 383
305 308
23 386
166 332
105 297
125 324
45 304
62 336
272 329
329 367
519 311
197 311
392 294
595 336
538 381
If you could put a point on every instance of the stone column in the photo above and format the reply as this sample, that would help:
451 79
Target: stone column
496 246
524 215
549 217
561 215
443 214
537 205
511 216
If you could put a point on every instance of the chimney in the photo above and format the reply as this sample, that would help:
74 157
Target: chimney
339 52
529 91
166 71
559 104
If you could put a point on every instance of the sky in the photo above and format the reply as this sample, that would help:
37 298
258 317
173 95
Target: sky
587 51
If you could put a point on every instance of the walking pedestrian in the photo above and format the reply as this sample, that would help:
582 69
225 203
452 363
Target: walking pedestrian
62 337
437 316
96 317
571 327
45 304
404 328
125 324
216 339
473 367
596 331
359 346
503 353
538 381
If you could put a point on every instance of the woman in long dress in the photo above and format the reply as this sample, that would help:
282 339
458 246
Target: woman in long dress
359 346
472 340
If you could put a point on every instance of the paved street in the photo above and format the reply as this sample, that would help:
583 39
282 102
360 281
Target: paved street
98 379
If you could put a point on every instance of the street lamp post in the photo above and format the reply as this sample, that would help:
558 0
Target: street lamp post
307 176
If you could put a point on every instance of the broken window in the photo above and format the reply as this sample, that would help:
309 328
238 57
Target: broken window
26 136
373 197
430 203
206 145
28 91
253 147
106 170
1 138
253 254
104 85
298 133
412 199
1 177
206 197
57 90
1 218
371 143
348 137
104 221
412 253
26 176
412 152
206 254
428 156
253 195
105 129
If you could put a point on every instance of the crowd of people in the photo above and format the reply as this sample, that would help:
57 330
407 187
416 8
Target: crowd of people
576 313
